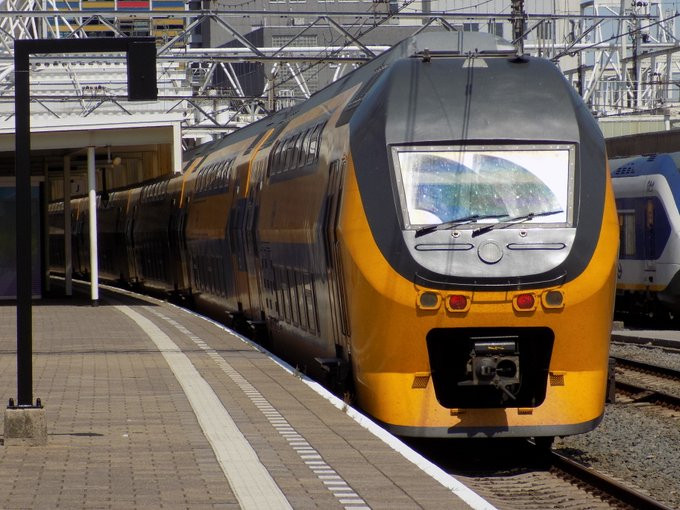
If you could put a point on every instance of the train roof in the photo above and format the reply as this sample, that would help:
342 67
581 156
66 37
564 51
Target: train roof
647 164
442 43
666 165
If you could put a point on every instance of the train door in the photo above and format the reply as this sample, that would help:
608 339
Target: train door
130 243
177 244
649 231
251 256
339 315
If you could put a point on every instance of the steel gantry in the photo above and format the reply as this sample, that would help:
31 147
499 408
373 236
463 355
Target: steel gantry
621 57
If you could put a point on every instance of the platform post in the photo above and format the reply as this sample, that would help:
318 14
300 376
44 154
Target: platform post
22 110
24 423
92 201
45 200
68 262
29 423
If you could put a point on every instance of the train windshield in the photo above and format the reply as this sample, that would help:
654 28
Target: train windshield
440 184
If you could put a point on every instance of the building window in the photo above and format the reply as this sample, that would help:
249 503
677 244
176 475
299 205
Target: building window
495 28
544 31
286 84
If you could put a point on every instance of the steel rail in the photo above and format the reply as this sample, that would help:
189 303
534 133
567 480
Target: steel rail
604 483
666 372
644 394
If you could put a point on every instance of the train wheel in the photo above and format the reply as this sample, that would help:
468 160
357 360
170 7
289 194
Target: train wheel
544 443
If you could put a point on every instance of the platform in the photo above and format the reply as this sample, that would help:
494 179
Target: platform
150 406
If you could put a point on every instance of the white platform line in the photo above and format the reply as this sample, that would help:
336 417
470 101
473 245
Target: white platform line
250 481
277 421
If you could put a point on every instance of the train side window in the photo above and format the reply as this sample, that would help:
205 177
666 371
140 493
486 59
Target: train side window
313 143
229 171
302 280
293 154
294 299
290 152
282 158
199 180
299 154
280 302
627 247
276 159
307 138
286 296
221 176
316 142
310 301
285 153
224 175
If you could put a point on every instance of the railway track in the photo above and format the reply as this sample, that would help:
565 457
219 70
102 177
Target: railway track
645 382
521 474
609 490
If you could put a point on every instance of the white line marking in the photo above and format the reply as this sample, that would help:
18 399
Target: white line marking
252 484
277 421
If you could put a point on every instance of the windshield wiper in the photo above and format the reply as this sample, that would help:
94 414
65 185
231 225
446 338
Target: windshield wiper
512 221
446 225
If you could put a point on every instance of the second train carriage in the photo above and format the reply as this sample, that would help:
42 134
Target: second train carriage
437 226
647 190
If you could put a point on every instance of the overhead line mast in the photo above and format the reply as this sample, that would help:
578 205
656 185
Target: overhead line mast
518 22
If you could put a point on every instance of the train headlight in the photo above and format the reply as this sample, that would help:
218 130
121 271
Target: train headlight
457 303
553 299
429 300
524 302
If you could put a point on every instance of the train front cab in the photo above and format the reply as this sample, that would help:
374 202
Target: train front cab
410 353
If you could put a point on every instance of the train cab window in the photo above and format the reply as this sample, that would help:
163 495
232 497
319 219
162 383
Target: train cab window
492 184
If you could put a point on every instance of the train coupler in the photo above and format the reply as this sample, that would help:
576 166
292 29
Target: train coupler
494 363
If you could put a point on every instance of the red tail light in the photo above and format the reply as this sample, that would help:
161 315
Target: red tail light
457 302
525 301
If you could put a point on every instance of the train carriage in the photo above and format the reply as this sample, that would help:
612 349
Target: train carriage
647 190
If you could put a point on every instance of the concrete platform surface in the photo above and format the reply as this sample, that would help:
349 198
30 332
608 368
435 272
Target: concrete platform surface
148 406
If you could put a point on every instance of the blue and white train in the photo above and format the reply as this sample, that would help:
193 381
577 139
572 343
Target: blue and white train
647 190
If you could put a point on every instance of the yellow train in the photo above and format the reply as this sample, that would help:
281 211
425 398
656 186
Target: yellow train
435 232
